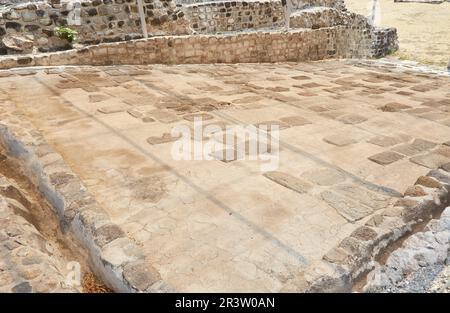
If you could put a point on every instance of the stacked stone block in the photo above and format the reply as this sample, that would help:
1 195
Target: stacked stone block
385 41
246 47
303 4
100 21
319 17
226 16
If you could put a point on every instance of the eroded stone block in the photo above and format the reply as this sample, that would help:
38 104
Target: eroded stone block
288 181
364 233
140 275
339 140
416 147
429 182
386 158
164 116
394 107
363 196
415 191
387 141
113 108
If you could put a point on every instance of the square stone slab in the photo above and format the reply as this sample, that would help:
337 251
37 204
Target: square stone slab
288 181
385 158
431 160
394 107
418 146
444 150
164 116
267 125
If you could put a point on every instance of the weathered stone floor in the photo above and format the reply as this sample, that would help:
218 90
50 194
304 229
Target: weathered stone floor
354 138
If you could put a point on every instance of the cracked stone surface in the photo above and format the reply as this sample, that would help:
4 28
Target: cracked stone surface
208 225
414 148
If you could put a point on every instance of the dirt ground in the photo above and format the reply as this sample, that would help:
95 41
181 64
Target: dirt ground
423 29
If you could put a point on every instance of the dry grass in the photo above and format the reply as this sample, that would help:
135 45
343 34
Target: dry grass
91 284
423 29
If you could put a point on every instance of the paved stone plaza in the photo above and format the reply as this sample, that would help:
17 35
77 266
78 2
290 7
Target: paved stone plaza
353 137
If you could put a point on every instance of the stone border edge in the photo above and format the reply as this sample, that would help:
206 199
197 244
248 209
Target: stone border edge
113 256
355 255
173 49
117 260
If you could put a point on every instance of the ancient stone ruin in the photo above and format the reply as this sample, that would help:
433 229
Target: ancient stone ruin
218 146
314 29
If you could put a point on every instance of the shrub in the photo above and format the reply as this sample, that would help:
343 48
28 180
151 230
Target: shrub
66 33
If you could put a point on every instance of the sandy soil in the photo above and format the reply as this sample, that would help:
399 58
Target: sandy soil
423 29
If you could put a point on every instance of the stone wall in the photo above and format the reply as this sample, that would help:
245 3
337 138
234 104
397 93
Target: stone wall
100 21
7 3
249 47
303 4
227 15
29 27
318 17
212 17
384 41
300 4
